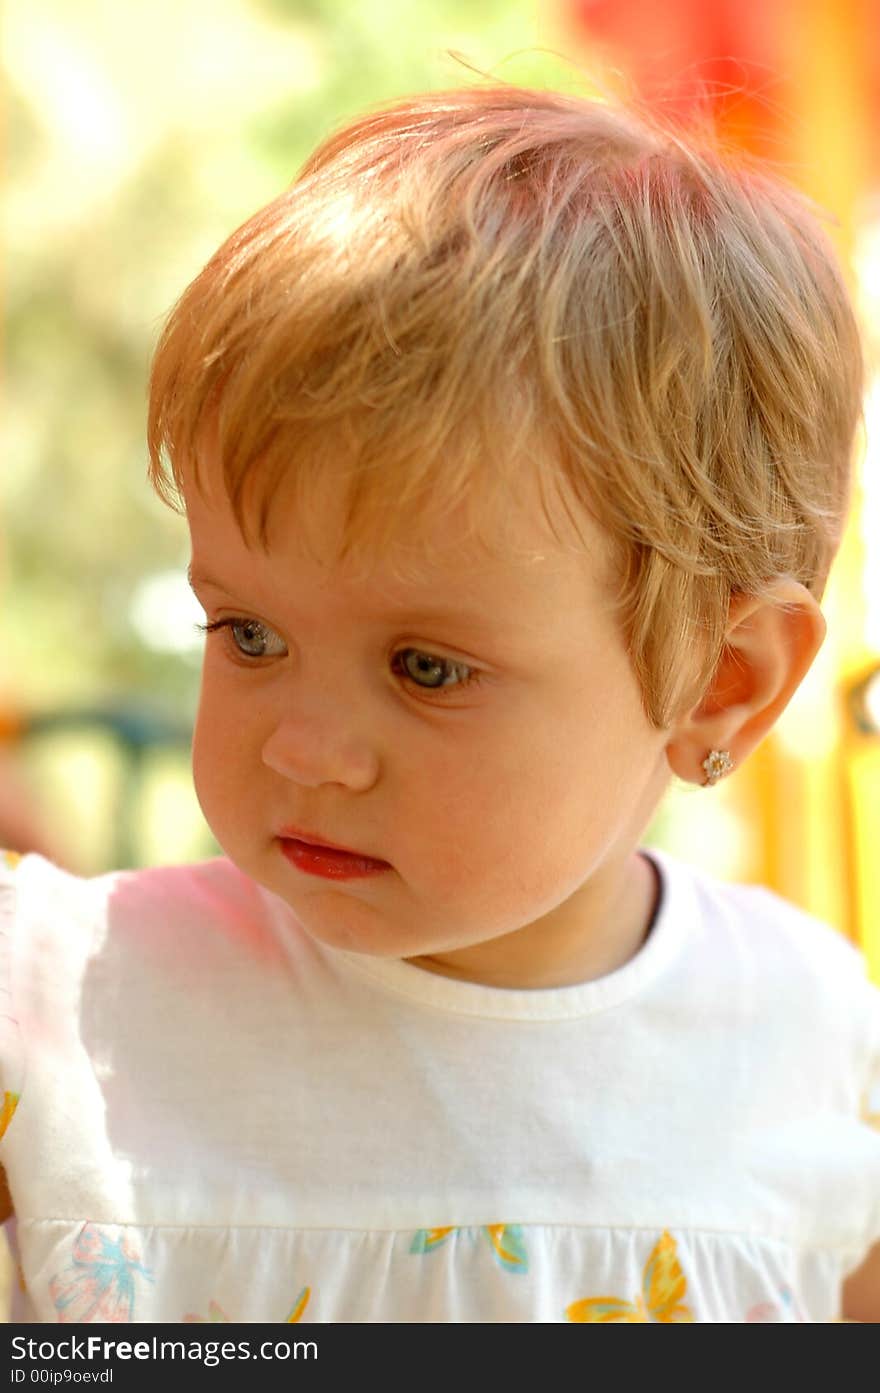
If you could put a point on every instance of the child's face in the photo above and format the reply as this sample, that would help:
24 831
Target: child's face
507 810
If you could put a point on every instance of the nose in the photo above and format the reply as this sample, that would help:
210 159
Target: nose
313 752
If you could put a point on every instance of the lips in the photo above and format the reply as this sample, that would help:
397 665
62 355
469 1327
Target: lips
319 843
329 863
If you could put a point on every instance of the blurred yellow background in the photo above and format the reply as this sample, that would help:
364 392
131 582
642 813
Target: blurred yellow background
138 137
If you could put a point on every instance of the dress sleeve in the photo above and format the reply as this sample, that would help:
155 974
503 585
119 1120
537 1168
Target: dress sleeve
869 1103
10 1037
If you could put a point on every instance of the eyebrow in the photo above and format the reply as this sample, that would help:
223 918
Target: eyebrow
199 578
457 616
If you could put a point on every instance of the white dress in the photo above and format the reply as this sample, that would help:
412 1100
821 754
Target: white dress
212 1116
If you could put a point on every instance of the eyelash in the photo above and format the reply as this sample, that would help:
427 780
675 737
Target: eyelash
474 676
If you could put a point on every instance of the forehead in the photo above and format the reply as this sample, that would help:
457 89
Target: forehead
480 555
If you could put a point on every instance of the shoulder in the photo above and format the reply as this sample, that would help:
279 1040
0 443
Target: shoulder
41 888
781 934
98 975
772 958
58 926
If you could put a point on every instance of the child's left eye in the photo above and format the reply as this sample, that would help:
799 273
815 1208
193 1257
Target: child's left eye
249 636
427 664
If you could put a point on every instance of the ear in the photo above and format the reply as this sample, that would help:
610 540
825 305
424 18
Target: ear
769 647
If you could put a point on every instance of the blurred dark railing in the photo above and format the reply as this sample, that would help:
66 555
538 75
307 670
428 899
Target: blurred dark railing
137 731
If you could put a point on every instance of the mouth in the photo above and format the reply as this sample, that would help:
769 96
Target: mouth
317 843
326 859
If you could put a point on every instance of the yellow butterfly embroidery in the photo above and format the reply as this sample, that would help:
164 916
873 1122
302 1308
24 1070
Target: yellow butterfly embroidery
10 1103
299 1306
506 1240
10 858
426 1240
663 1287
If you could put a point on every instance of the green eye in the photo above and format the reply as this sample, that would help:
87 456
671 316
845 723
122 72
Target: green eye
250 637
430 673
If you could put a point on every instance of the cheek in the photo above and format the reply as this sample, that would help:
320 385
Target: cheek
493 812
203 765
217 756
531 807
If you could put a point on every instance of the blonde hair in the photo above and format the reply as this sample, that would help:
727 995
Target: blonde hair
470 286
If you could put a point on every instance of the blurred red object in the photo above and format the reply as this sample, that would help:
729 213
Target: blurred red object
749 58
669 44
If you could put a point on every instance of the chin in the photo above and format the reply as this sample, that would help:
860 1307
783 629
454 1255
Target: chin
340 922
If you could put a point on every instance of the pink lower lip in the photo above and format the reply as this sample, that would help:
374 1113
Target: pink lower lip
333 865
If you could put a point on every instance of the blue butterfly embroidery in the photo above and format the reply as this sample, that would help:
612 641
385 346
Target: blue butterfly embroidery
100 1283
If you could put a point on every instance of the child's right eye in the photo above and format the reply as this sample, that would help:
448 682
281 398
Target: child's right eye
251 638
